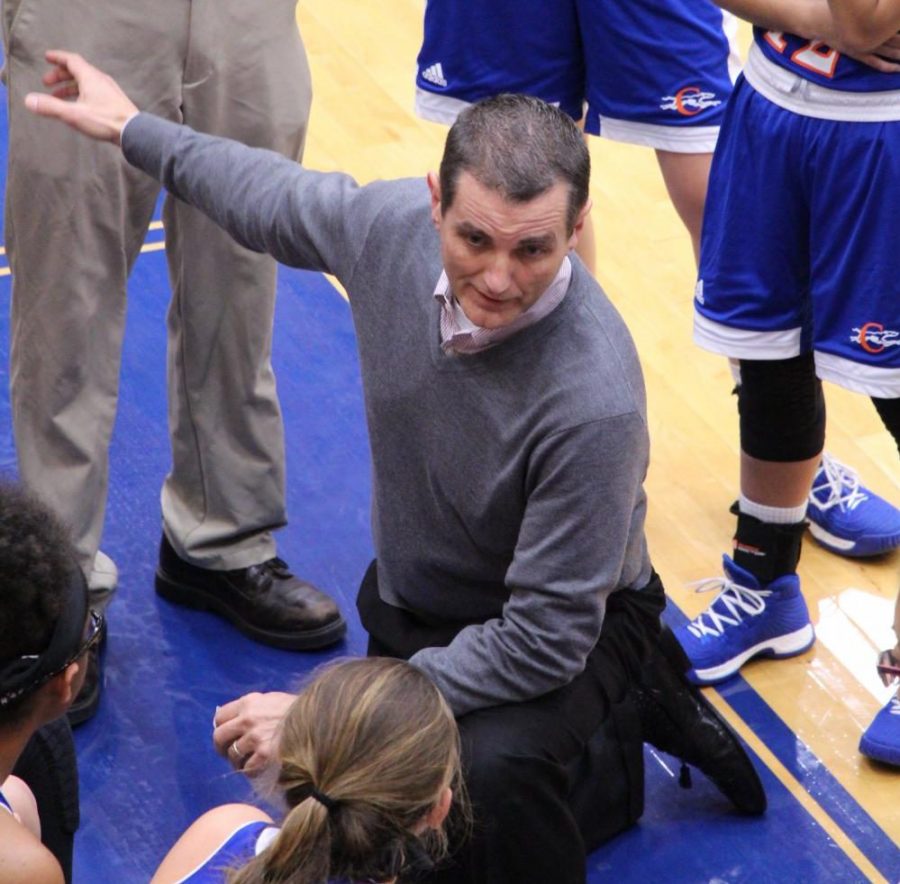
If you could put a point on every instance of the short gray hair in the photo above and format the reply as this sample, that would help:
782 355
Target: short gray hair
519 146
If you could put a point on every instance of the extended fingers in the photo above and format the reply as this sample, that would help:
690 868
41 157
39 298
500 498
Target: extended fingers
879 63
66 60
57 74
69 90
47 106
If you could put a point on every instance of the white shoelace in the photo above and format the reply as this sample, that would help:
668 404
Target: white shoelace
842 483
895 705
734 597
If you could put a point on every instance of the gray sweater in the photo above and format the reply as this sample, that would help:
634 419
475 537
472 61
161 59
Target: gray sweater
507 483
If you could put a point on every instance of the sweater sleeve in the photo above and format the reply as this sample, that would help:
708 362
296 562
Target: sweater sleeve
314 220
582 508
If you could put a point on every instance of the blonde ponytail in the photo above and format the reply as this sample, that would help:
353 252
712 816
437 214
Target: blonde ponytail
366 751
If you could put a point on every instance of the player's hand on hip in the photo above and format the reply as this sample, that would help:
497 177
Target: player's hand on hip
83 97
884 58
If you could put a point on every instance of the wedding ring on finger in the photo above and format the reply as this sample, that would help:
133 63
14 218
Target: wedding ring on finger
237 756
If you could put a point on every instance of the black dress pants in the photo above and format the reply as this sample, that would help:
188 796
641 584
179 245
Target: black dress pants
552 777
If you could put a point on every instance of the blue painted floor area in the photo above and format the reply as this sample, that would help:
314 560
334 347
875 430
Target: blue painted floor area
146 760
147 767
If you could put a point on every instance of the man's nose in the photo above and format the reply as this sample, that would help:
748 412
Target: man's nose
497 276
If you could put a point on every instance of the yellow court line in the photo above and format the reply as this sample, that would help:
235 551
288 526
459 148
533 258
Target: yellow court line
147 247
340 289
790 782
159 246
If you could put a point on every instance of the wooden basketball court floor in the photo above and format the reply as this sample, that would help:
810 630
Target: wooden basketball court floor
147 766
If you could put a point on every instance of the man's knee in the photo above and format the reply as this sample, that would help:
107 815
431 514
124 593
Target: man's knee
493 769
500 775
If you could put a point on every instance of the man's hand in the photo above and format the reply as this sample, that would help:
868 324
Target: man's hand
246 730
100 108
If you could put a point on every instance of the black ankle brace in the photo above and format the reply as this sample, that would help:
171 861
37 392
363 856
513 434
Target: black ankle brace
767 551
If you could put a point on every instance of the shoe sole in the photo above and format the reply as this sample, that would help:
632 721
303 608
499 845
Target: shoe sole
200 600
859 548
775 648
676 655
886 754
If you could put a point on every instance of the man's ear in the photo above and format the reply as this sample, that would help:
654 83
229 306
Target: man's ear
579 223
434 188
435 817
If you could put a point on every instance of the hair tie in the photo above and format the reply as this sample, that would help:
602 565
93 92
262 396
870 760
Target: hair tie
298 794
328 803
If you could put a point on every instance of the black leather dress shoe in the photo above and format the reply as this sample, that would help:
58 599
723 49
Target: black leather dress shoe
265 601
677 719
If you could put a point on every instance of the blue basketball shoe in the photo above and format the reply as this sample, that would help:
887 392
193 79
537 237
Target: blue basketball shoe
744 621
881 739
848 518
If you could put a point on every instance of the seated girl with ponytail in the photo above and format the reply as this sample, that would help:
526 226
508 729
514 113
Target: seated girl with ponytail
367 765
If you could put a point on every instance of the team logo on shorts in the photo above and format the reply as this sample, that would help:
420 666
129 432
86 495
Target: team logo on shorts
690 101
434 73
874 338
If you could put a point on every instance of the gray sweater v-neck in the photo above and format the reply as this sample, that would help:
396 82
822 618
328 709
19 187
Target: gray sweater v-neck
508 483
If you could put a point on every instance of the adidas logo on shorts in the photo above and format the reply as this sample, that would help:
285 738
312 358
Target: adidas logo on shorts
434 74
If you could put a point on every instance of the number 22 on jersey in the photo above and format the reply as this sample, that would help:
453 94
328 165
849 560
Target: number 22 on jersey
814 55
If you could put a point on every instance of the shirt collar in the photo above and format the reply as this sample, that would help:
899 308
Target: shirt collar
460 335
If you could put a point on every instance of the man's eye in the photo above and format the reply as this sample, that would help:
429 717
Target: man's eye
475 239
533 251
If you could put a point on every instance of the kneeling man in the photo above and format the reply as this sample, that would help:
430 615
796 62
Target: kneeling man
507 422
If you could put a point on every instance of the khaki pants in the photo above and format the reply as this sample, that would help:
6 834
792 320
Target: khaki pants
76 216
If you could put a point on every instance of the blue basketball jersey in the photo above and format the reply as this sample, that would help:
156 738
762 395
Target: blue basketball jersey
237 850
814 60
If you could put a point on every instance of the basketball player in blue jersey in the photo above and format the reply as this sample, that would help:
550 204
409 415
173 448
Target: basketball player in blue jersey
650 72
799 281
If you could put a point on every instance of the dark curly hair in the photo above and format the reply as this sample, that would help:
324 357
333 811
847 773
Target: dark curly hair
35 570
